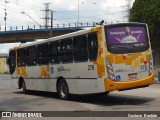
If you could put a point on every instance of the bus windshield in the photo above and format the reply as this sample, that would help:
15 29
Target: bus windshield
126 38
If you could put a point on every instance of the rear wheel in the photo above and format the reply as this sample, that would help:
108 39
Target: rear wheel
63 90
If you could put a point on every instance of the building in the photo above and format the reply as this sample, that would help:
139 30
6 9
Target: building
3 63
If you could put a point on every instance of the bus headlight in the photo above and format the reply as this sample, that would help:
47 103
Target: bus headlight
150 66
111 77
110 71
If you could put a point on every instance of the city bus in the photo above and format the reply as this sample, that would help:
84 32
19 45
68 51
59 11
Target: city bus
101 59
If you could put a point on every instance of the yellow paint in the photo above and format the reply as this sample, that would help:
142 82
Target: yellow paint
136 63
44 71
101 70
137 54
128 60
112 85
147 52
119 59
137 58
105 52
110 58
105 45
142 60
94 29
100 59
21 71
147 58
100 38
99 30
101 50
143 56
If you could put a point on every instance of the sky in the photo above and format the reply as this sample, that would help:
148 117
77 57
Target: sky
65 12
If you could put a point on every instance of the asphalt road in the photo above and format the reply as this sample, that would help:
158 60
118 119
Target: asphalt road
142 99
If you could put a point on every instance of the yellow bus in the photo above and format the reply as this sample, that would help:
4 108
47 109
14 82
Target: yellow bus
95 60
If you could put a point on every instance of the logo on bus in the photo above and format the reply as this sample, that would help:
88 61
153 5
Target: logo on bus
52 70
118 78
121 70
62 68
132 69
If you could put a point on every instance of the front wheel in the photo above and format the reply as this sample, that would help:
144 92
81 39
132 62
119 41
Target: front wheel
63 90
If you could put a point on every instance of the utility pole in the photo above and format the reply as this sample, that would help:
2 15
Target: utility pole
78 15
46 18
5 18
51 22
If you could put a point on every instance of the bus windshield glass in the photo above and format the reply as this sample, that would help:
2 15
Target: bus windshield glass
126 38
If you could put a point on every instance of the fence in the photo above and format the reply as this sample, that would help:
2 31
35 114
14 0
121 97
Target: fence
29 27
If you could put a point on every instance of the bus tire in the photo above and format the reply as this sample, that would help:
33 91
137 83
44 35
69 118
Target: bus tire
24 88
63 90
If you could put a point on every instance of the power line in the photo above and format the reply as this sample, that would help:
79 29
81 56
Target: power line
35 21
17 20
5 18
28 5
14 11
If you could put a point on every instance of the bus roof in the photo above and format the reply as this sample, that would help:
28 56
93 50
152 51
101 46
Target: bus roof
54 38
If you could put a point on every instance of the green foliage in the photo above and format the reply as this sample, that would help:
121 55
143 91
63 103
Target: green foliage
148 11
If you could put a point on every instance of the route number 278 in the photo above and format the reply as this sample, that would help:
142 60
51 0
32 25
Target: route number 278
143 67
90 67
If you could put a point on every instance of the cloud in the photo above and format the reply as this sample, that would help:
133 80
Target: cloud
65 12
4 48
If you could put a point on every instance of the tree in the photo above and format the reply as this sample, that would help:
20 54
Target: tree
148 11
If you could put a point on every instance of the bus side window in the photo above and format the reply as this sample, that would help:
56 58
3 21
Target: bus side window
21 57
31 56
12 61
54 52
42 54
92 46
66 50
80 48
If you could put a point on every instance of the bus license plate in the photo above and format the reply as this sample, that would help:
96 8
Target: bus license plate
132 76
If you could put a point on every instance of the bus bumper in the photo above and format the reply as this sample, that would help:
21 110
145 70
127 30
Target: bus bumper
113 85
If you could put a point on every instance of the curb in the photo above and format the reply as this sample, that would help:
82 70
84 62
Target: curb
157 82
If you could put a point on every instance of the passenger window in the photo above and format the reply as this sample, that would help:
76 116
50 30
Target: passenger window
31 56
66 50
92 46
80 48
42 54
55 52
12 61
21 57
